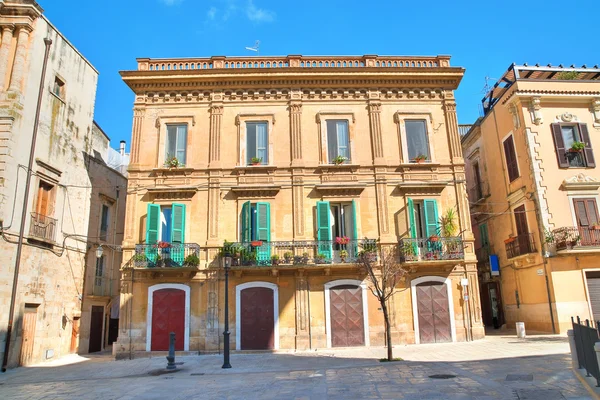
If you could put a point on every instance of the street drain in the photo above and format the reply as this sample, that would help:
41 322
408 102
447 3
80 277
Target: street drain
442 376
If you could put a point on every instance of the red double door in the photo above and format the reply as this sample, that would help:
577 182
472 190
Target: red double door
168 315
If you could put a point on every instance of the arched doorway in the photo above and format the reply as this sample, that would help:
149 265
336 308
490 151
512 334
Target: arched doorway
346 323
257 316
433 311
168 311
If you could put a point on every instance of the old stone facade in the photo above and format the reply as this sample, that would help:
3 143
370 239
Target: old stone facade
48 305
303 163
533 192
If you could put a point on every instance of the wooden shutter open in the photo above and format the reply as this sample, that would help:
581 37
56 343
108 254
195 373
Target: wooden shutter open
246 222
152 223
585 138
411 218
511 159
178 223
324 228
431 218
559 145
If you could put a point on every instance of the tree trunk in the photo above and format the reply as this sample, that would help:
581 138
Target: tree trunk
388 334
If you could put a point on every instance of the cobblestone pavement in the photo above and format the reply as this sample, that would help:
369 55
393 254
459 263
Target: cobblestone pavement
499 367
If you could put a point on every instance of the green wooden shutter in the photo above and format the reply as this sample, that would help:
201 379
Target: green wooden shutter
431 223
246 225
483 235
324 228
263 232
178 233
411 218
354 244
152 223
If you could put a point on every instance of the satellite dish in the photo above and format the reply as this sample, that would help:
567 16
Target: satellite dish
255 47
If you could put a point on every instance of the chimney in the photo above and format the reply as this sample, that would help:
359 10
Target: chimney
122 148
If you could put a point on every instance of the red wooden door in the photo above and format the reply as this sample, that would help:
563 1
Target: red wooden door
168 315
257 319
346 315
434 313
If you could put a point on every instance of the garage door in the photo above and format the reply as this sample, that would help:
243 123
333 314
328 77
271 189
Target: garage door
168 315
257 319
347 319
593 281
433 312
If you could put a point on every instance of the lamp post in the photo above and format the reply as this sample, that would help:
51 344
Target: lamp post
226 266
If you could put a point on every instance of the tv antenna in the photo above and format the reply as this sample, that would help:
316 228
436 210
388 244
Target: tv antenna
486 88
255 48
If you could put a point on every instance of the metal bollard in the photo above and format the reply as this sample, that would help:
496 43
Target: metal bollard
171 356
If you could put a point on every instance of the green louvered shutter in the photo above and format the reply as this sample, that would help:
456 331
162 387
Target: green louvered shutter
324 228
263 232
152 227
431 222
413 225
354 242
178 232
246 225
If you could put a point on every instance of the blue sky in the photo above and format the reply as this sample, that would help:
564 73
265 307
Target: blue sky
484 37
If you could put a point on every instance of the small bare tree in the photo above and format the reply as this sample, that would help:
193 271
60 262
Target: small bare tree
384 277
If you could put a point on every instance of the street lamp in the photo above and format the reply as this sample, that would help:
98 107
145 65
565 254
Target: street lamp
226 266
99 252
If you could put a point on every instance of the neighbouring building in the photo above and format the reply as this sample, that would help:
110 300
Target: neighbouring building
62 205
533 193
301 163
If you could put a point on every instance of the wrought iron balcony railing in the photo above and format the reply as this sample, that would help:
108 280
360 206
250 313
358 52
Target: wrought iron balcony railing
101 286
166 255
519 245
567 238
483 255
478 192
303 252
42 227
432 249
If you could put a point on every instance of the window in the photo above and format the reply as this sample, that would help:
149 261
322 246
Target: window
586 212
59 87
257 143
423 217
176 145
99 271
511 159
256 226
416 140
104 222
336 220
338 140
565 136
45 199
165 223
477 175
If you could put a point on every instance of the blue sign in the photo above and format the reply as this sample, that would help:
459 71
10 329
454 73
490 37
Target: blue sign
494 264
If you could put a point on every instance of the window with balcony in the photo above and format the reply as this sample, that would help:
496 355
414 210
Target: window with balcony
337 229
99 271
573 146
588 221
257 143
510 156
43 226
417 141
523 243
104 217
338 141
176 142
165 235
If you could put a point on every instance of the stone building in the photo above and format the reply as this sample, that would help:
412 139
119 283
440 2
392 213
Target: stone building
533 192
303 163
48 301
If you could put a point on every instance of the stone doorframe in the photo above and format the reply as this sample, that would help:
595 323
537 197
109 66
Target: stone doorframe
339 282
238 314
415 311
154 288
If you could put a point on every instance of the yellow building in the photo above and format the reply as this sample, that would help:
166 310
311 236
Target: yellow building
301 163
533 192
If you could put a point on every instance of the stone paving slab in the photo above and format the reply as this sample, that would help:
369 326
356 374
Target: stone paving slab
481 369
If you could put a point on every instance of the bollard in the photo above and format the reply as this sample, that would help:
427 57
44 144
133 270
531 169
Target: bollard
573 348
171 356
521 330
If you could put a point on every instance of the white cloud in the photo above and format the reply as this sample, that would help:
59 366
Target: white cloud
170 2
212 13
256 14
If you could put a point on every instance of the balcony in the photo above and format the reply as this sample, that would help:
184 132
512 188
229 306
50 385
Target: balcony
519 245
298 253
478 192
567 238
483 255
102 287
167 255
42 227
438 249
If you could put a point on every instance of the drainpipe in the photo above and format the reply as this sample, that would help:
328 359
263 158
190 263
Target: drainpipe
36 121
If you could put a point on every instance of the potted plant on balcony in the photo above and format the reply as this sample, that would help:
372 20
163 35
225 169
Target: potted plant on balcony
595 226
343 255
369 250
173 162
420 159
510 239
320 258
577 147
248 257
256 160
288 256
342 241
191 261
409 250
275 260
339 160
575 241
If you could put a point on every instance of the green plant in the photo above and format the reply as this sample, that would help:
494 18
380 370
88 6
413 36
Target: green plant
577 146
192 260
343 254
369 246
173 162
567 75
255 160
408 249
549 236
288 255
320 258
339 160
420 158
139 257
448 223
275 257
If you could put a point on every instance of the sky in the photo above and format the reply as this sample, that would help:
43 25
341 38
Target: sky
484 37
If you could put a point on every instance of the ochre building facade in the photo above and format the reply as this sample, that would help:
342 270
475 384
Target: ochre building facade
302 164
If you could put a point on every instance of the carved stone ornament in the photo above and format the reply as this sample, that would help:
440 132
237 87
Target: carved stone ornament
536 111
581 182
566 117
581 177
596 110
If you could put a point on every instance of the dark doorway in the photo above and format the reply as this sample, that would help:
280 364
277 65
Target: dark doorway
96 329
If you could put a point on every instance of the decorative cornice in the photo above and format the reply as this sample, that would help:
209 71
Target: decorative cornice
538 93
256 191
175 117
172 193
580 182
239 117
319 116
340 189
422 187
48 167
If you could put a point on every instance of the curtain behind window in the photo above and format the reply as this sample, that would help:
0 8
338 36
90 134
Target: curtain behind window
416 139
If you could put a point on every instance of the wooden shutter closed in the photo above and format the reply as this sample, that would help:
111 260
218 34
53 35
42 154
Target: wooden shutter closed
431 217
511 159
559 144
521 220
585 138
263 221
152 223
586 212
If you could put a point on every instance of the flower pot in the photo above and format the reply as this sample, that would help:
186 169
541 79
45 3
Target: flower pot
434 239
509 240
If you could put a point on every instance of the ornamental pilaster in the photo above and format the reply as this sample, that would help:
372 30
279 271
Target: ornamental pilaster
302 313
298 205
449 107
18 70
596 110
382 205
536 110
7 35
138 122
374 108
214 153
295 108
214 193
